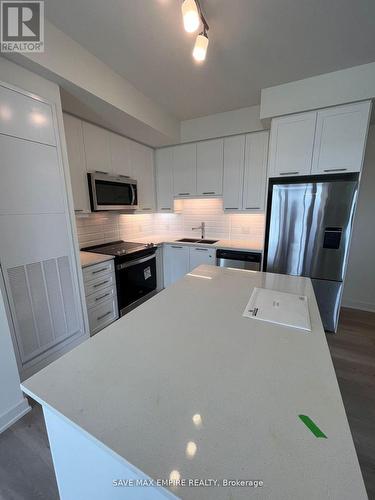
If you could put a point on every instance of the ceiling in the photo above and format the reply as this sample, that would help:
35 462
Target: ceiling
254 44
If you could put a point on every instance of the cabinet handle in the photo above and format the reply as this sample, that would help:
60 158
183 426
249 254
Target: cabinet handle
100 270
183 194
125 176
209 192
252 208
101 172
335 170
175 246
103 316
102 296
165 208
101 283
146 208
289 173
231 208
202 249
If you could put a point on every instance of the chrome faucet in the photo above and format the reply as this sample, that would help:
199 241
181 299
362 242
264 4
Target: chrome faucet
202 227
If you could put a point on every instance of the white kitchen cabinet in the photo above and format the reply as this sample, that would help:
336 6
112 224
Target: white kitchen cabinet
175 263
201 255
97 148
234 158
210 167
120 149
77 162
164 179
185 170
340 138
142 159
255 176
291 145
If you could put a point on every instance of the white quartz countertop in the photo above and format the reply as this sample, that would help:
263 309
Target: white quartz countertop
187 367
245 245
90 258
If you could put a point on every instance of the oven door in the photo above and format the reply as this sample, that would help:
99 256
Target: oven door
136 279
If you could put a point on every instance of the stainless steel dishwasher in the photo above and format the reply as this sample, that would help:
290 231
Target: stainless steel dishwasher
239 260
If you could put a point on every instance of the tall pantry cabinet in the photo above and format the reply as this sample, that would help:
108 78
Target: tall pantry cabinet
37 258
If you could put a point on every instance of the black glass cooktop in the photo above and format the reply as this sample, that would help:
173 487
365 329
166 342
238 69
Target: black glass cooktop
118 248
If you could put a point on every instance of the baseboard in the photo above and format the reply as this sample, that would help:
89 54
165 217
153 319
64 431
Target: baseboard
357 304
13 414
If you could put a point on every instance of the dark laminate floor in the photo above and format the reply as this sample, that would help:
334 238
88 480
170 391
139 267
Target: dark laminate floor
26 471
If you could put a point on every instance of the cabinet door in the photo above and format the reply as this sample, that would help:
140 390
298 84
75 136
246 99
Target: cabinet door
164 179
176 263
234 155
120 155
77 163
340 138
210 167
185 170
255 178
201 255
97 152
142 159
291 144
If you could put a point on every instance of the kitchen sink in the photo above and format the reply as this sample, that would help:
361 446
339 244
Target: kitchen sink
194 240
188 240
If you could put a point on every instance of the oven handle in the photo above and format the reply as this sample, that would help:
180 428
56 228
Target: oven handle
119 267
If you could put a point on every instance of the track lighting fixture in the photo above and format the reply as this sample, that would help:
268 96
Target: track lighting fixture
193 17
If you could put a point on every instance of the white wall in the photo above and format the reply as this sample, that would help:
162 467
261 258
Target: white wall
330 89
238 121
360 280
12 403
77 70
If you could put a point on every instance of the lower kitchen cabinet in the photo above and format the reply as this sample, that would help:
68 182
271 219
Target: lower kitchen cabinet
179 260
175 262
201 255
101 297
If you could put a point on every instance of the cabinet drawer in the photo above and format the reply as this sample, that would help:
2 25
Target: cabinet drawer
100 296
98 270
102 315
99 284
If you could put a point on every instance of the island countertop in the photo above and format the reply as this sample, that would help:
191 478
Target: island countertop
186 383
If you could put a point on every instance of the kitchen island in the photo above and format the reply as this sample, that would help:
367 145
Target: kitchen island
185 388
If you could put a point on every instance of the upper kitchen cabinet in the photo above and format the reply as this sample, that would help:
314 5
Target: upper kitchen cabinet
25 117
234 160
142 165
255 177
77 162
340 138
291 144
97 148
120 155
210 167
185 170
164 179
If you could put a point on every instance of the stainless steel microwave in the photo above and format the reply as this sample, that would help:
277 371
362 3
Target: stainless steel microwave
112 192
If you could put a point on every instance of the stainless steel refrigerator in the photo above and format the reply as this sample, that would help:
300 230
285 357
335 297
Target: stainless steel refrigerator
308 230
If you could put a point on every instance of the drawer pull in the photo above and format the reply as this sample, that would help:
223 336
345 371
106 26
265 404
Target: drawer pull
202 249
252 208
146 208
334 170
289 173
100 270
101 283
183 194
166 208
102 296
175 246
231 208
103 315
209 192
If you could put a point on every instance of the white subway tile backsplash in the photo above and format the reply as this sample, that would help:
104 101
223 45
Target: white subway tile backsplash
97 228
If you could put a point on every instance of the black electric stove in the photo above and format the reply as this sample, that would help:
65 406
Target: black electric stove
135 267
